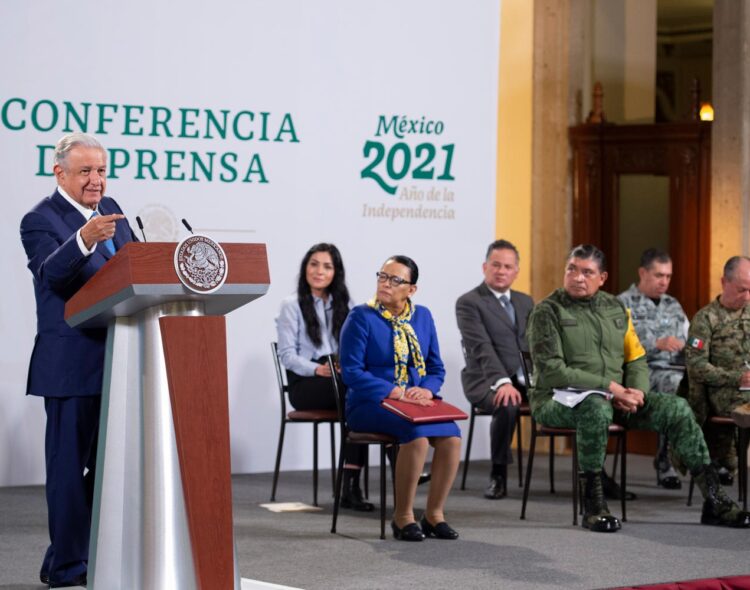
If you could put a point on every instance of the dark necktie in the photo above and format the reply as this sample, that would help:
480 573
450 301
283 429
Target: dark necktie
108 244
508 308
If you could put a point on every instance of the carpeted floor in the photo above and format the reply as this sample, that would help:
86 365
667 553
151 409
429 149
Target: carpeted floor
662 540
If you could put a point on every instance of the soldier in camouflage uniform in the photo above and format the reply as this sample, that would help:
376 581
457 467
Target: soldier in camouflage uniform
718 358
662 326
582 337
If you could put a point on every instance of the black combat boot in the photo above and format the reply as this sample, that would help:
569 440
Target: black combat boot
596 516
351 495
718 508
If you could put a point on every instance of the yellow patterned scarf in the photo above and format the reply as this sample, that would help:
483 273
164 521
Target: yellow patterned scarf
404 342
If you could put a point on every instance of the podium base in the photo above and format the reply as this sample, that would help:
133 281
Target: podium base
246 585
258 585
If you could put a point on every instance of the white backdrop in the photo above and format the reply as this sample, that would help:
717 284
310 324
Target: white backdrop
303 86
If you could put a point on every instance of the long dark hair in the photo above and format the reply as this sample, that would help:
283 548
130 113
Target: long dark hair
337 290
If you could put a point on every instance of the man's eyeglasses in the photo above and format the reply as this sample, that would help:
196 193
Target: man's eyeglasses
393 280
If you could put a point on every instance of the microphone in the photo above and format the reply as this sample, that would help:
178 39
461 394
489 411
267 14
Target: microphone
140 225
187 225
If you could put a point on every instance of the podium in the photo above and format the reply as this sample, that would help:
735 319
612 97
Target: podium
162 516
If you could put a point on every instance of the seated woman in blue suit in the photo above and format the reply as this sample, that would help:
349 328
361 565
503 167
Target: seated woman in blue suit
389 349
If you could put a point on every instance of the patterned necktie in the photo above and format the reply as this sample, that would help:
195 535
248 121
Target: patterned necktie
108 244
508 308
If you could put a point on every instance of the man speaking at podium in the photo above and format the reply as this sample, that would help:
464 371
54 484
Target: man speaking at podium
68 237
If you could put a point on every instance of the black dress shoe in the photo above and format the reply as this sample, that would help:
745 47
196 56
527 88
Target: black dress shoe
441 530
612 491
496 489
666 476
411 532
725 476
355 501
668 482
77 581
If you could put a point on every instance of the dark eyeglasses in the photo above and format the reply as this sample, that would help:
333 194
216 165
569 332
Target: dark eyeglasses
393 280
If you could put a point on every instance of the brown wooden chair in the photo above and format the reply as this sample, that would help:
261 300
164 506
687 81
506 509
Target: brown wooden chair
741 439
359 438
314 417
524 410
538 430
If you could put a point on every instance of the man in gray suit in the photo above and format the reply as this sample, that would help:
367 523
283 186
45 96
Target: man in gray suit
492 320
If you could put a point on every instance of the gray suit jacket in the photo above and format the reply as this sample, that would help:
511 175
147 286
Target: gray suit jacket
491 343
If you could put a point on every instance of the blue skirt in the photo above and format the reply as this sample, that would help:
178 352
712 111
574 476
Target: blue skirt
372 417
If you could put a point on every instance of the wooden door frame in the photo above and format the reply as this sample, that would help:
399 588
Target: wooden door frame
680 151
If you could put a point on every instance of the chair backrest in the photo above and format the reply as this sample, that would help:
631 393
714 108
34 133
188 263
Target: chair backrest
280 378
527 366
339 394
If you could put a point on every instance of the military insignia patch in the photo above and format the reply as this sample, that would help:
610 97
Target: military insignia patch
632 347
696 343
620 323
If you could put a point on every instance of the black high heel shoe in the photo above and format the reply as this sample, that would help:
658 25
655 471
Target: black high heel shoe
411 532
441 530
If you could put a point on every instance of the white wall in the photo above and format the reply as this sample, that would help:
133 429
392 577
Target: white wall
325 71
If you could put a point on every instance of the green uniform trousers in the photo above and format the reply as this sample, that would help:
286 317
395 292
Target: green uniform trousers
661 412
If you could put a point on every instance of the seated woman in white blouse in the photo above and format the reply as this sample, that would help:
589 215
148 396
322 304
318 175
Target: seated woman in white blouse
308 327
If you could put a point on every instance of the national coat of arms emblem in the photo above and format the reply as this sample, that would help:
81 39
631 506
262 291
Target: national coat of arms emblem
200 264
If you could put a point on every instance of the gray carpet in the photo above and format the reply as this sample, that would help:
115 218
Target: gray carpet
662 540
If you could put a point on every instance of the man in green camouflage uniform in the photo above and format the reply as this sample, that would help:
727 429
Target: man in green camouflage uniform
662 327
582 337
718 359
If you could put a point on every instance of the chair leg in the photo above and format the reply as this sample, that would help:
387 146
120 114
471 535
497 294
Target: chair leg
576 489
333 458
615 458
339 484
529 466
738 444
394 456
315 463
623 447
690 491
744 438
519 449
552 464
367 472
383 468
468 448
278 460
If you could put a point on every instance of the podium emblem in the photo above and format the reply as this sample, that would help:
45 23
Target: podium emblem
200 264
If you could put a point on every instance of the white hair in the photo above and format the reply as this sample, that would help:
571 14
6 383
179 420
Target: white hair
67 142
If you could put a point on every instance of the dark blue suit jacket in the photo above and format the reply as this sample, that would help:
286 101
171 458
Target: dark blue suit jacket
66 361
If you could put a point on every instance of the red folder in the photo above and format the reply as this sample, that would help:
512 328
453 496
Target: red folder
440 412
